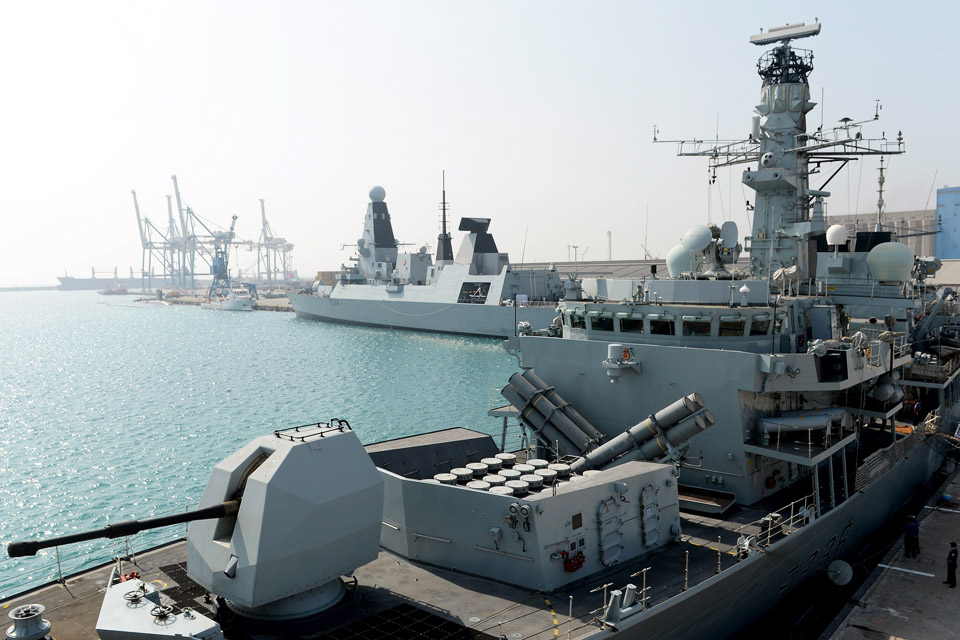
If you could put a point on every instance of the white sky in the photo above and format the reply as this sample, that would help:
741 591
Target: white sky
541 113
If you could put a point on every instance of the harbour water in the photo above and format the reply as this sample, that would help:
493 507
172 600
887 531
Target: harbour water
112 410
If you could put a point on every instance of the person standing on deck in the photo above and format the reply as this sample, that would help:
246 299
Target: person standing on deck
911 538
952 566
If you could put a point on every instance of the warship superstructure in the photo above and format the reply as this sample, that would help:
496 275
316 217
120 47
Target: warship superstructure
700 446
475 292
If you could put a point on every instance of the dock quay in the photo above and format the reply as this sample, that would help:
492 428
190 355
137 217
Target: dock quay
906 598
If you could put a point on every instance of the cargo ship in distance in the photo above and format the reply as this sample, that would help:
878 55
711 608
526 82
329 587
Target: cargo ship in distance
477 292
69 283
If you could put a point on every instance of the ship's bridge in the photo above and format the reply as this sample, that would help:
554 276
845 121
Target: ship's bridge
750 328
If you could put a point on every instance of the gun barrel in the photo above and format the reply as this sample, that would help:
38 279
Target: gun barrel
121 529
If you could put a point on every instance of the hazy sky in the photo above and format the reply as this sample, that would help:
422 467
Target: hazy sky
541 113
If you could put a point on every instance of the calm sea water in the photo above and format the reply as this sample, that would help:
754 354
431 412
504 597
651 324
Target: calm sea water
112 410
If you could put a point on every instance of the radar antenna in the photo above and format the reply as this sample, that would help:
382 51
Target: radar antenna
880 180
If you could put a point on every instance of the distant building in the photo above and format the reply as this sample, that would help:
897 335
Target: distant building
948 210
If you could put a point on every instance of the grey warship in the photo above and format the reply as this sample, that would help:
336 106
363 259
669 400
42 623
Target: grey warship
475 292
700 446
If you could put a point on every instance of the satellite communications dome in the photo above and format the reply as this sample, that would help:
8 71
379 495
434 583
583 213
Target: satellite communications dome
697 238
680 260
836 234
890 262
377 194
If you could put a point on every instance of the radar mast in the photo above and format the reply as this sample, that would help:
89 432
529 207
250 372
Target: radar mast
444 242
788 213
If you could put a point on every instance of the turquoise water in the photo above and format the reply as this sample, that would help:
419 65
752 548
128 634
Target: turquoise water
112 410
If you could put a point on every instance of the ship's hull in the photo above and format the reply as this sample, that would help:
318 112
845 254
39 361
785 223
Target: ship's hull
487 320
730 601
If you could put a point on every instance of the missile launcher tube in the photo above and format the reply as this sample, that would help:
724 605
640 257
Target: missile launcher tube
565 407
548 433
684 430
638 434
536 399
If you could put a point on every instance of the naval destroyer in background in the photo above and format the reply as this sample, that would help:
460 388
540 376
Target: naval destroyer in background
476 293
700 446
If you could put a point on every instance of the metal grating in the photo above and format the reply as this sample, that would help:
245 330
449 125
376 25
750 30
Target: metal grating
405 622
185 593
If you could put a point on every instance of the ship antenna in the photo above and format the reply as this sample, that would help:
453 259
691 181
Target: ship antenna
880 180
444 246
443 202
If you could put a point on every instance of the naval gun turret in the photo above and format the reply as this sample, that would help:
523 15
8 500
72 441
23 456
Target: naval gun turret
281 520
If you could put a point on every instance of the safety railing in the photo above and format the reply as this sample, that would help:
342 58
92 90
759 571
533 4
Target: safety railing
931 369
878 462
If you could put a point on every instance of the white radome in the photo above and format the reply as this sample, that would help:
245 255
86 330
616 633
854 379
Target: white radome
836 234
697 238
890 262
679 260
377 194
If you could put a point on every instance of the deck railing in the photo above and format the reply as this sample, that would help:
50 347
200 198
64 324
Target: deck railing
931 370
878 462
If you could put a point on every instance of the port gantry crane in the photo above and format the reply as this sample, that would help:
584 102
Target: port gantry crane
273 254
220 265
167 250
176 250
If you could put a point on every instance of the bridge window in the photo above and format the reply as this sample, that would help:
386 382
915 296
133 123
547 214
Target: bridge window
764 107
796 97
661 327
732 327
760 325
696 328
631 325
779 98
601 324
778 323
577 321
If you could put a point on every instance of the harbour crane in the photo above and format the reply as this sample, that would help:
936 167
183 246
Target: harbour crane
273 253
220 267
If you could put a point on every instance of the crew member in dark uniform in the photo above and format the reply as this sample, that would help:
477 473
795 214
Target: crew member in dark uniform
952 566
911 538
